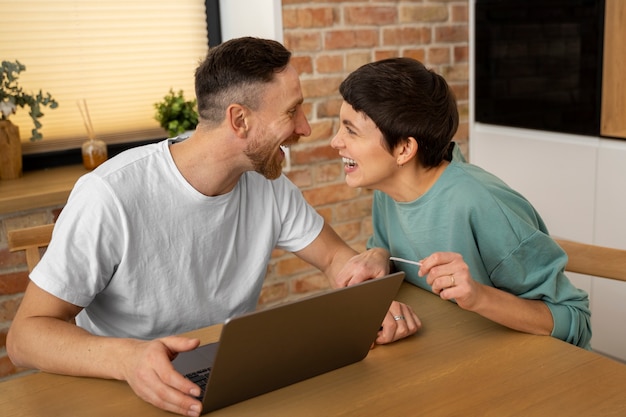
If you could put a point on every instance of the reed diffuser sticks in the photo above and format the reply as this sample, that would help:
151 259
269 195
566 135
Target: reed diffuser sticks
86 119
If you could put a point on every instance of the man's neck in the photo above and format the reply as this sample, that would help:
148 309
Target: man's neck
211 167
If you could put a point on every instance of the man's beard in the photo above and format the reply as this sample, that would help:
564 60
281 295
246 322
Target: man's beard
264 159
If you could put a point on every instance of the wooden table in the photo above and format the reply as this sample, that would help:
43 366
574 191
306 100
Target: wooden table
459 364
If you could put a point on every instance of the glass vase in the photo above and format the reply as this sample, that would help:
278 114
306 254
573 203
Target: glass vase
94 153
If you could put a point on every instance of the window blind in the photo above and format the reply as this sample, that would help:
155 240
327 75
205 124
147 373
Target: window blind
120 56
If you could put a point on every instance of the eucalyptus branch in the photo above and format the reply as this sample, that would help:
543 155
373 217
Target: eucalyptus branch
12 96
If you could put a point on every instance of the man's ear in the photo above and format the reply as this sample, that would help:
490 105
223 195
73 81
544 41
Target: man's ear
406 151
237 119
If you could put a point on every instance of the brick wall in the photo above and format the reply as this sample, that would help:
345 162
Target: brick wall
329 39
14 273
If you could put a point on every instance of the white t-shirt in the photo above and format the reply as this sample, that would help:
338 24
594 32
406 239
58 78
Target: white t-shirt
147 255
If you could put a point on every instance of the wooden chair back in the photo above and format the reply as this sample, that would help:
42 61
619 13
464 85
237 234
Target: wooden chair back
594 260
30 239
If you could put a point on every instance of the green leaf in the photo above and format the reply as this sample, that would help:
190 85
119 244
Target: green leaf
11 91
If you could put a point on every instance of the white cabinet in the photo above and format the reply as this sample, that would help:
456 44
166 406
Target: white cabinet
610 216
578 185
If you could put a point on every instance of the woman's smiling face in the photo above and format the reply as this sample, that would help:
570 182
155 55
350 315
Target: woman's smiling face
367 163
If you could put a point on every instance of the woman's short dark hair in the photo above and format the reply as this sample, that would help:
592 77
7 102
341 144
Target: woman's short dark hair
405 99
234 71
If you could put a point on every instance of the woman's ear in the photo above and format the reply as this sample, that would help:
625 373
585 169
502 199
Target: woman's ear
236 115
406 151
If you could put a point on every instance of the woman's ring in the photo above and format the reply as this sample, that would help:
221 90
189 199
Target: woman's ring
396 318
452 280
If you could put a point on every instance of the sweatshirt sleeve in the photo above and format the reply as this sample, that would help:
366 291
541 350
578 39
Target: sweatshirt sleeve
541 262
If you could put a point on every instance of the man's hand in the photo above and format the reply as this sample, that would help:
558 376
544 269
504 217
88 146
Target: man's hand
372 263
153 378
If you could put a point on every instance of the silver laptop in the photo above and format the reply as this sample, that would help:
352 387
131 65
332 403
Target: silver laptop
272 348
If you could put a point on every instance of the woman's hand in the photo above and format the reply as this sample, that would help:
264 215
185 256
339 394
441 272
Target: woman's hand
449 277
400 322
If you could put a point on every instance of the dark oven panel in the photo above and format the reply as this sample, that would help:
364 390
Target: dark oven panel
538 64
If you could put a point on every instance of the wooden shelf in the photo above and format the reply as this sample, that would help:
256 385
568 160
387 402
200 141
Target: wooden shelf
38 189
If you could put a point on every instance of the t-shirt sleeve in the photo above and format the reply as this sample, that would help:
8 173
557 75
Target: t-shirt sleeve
80 259
301 223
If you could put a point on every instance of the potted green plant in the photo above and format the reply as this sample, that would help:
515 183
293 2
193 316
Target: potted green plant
175 114
12 96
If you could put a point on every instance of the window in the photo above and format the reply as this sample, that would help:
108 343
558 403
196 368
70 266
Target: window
120 56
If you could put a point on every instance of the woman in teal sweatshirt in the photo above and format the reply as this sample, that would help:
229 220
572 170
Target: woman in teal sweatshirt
480 243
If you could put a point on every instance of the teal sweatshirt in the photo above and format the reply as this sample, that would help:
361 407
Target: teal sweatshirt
501 237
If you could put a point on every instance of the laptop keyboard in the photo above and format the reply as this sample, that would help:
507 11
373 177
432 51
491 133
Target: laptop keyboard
200 378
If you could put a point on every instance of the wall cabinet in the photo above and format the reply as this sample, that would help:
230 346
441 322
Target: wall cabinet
613 114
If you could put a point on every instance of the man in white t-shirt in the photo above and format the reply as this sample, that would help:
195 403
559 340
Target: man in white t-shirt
177 235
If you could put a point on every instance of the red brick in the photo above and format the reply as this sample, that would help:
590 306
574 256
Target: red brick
460 13
330 172
301 177
3 337
318 17
456 73
423 14
277 253
13 283
348 231
329 194
461 91
353 209
462 133
438 56
310 283
292 265
379 55
12 259
406 36
367 227
326 213
8 308
419 54
272 293
307 107
320 87
302 64
370 15
357 59
360 246
451 33
321 130
290 18
312 154
302 41
461 53
329 108
345 39
326 64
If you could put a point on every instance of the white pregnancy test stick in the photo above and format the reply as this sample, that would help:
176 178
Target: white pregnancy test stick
406 261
